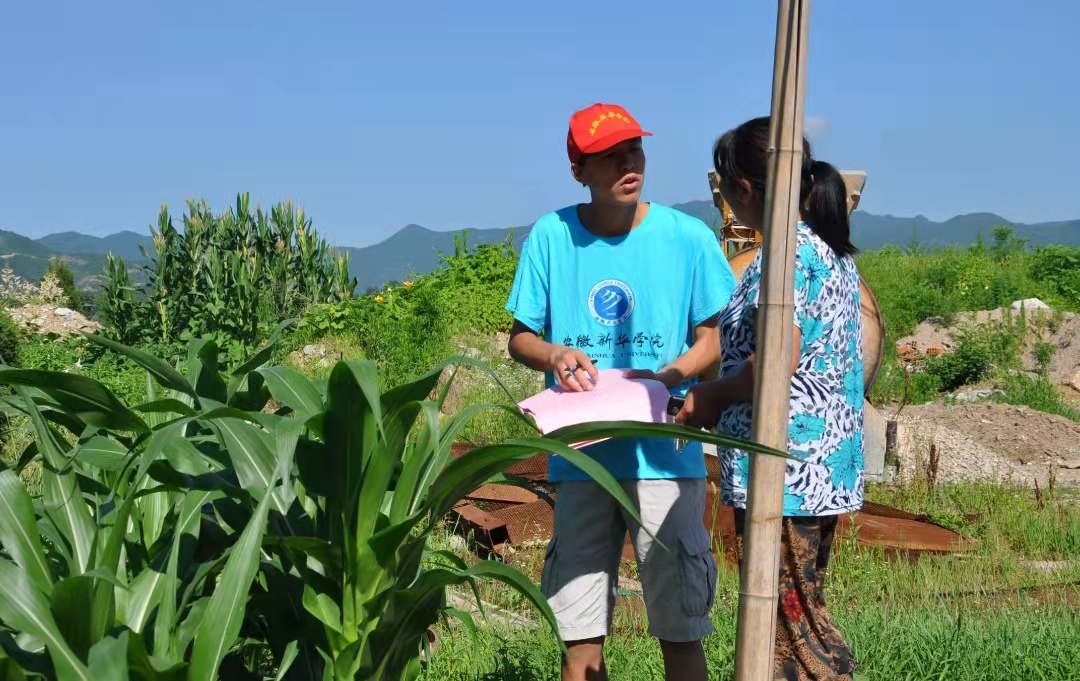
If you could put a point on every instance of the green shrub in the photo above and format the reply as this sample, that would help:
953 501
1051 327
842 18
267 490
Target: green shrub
77 356
979 352
474 286
1037 393
60 269
403 327
1059 266
402 330
1043 353
10 341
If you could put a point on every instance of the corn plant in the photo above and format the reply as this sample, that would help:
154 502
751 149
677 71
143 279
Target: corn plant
229 277
137 560
117 302
210 528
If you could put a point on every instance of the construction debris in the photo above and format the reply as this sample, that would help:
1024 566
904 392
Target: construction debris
50 319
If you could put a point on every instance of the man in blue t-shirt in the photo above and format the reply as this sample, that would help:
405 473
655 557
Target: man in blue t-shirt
618 283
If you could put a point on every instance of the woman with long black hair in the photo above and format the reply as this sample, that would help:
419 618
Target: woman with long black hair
826 422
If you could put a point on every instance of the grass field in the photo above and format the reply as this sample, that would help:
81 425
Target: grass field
1008 610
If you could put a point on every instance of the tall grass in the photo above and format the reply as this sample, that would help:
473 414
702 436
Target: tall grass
890 643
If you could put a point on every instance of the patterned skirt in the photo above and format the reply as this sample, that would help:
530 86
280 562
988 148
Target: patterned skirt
809 647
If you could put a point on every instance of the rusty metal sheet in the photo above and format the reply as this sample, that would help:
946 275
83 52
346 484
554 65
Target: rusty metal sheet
900 534
527 523
502 493
488 531
876 525
534 469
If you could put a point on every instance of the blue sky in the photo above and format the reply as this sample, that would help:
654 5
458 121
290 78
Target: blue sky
454 115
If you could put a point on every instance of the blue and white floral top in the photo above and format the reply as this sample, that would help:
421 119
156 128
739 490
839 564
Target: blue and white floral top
826 426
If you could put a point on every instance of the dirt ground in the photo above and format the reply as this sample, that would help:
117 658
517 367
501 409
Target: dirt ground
989 441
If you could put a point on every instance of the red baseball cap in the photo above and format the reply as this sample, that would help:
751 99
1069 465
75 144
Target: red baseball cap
600 127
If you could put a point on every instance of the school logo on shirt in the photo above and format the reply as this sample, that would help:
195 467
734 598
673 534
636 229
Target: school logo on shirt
611 302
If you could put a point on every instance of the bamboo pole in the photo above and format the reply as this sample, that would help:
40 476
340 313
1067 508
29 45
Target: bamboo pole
758 592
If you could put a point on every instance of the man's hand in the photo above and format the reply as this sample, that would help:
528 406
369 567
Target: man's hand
702 406
572 368
668 377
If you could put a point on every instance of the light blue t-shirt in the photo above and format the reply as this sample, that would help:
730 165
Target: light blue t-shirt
628 302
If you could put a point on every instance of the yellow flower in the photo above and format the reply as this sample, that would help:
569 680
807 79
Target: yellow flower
380 299
409 284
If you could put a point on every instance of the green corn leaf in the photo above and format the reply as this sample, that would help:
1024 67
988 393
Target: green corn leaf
260 357
72 607
286 434
414 391
204 371
451 432
109 659
352 428
463 617
415 610
83 397
103 453
24 608
253 453
64 503
154 505
166 406
142 598
225 612
143 667
293 389
19 535
165 443
408 490
634 429
57 415
165 375
173 480
109 545
502 572
323 608
187 523
185 633
467 472
380 470
291 651
457 423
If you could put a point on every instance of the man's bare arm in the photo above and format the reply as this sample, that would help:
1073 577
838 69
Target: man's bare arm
572 368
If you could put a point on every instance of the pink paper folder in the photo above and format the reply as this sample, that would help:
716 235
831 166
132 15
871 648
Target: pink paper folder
613 398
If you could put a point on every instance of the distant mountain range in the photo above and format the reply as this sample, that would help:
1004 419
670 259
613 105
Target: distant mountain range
415 250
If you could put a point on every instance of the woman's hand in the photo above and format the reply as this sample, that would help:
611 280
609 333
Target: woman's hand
703 405
572 368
